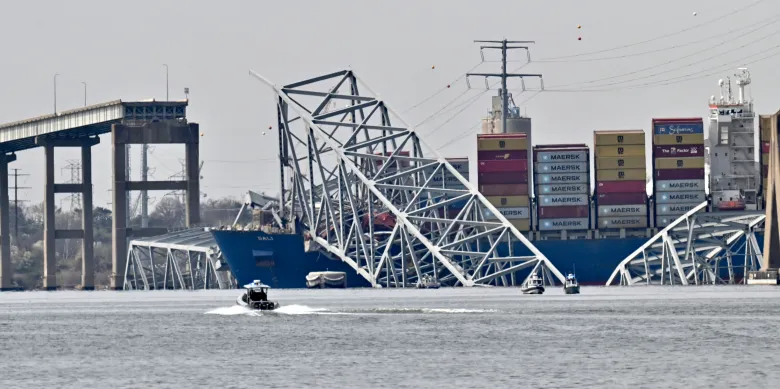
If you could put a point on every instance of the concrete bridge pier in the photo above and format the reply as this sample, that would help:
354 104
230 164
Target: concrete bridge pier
769 273
50 232
157 132
6 281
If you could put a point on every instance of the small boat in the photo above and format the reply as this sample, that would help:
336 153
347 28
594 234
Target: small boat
428 282
326 279
256 297
571 286
533 285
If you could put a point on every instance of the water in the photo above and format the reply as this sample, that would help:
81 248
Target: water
643 337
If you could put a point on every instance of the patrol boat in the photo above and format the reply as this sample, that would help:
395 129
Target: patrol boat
256 297
533 285
571 286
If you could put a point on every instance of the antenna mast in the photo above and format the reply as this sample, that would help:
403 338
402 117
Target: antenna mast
505 45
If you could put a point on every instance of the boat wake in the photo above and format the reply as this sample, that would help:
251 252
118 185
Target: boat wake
306 310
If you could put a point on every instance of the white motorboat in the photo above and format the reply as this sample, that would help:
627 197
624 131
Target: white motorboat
256 297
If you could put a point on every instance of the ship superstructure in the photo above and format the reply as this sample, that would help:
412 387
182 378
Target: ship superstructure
734 175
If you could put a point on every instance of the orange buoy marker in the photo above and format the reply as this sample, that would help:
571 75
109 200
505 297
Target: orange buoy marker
579 26
433 67
201 134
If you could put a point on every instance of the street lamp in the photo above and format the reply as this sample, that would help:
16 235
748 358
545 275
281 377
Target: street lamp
55 92
85 93
166 82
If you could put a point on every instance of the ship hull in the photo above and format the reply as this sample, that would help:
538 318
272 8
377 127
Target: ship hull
280 260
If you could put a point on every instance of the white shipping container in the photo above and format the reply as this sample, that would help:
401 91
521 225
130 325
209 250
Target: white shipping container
674 209
563 200
565 178
562 189
623 210
574 167
679 185
564 224
679 197
562 156
509 213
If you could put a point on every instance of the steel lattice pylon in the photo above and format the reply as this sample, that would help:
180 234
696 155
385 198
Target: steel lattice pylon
697 248
344 163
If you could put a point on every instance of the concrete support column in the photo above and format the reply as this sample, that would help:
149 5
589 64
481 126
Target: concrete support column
6 272
119 211
192 165
87 242
49 252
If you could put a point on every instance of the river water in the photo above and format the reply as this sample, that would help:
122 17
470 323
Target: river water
641 337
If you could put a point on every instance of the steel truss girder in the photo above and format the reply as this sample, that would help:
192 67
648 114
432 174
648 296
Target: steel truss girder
697 248
179 261
342 165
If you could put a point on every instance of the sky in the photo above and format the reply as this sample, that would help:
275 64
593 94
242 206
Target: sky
650 59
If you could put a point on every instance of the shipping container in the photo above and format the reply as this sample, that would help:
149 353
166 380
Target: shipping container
675 209
564 224
508 201
403 163
566 156
621 163
449 181
690 139
765 127
637 186
461 165
568 178
765 159
502 154
627 137
679 174
678 151
504 190
498 166
679 185
765 170
548 168
621 175
563 200
663 221
680 163
765 147
508 212
679 197
621 198
622 210
521 224
502 142
622 222
562 189
502 178
566 212
620 151
678 126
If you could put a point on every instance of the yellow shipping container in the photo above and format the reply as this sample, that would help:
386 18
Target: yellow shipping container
508 144
621 163
508 201
679 163
630 137
521 224
620 151
765 125
621 175
765 159
671 139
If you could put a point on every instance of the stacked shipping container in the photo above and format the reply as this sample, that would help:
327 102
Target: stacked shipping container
503 176
620 193
765 131
562 180
447 180
678 167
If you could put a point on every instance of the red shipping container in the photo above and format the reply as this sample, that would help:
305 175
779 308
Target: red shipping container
561 146
765 147
502 178
492 155
621 198
576 211
639 186
502 136
509 165
679 174
504 190
671 151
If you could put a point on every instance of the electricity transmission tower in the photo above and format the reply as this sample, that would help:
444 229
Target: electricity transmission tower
74 166
16 188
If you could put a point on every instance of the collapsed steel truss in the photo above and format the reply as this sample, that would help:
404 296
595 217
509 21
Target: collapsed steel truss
345 163
697 248
182 260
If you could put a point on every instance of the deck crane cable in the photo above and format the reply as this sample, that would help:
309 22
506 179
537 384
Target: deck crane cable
705 59
773 52
723 16
442 89
761 23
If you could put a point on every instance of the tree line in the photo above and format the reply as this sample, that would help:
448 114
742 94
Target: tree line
27 245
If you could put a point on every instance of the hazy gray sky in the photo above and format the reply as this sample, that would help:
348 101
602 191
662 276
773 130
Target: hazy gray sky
118 48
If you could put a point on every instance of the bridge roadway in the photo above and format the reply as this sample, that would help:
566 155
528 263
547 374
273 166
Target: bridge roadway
149 122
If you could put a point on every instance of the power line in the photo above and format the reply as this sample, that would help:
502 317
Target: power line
16 188
442 89
725 15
